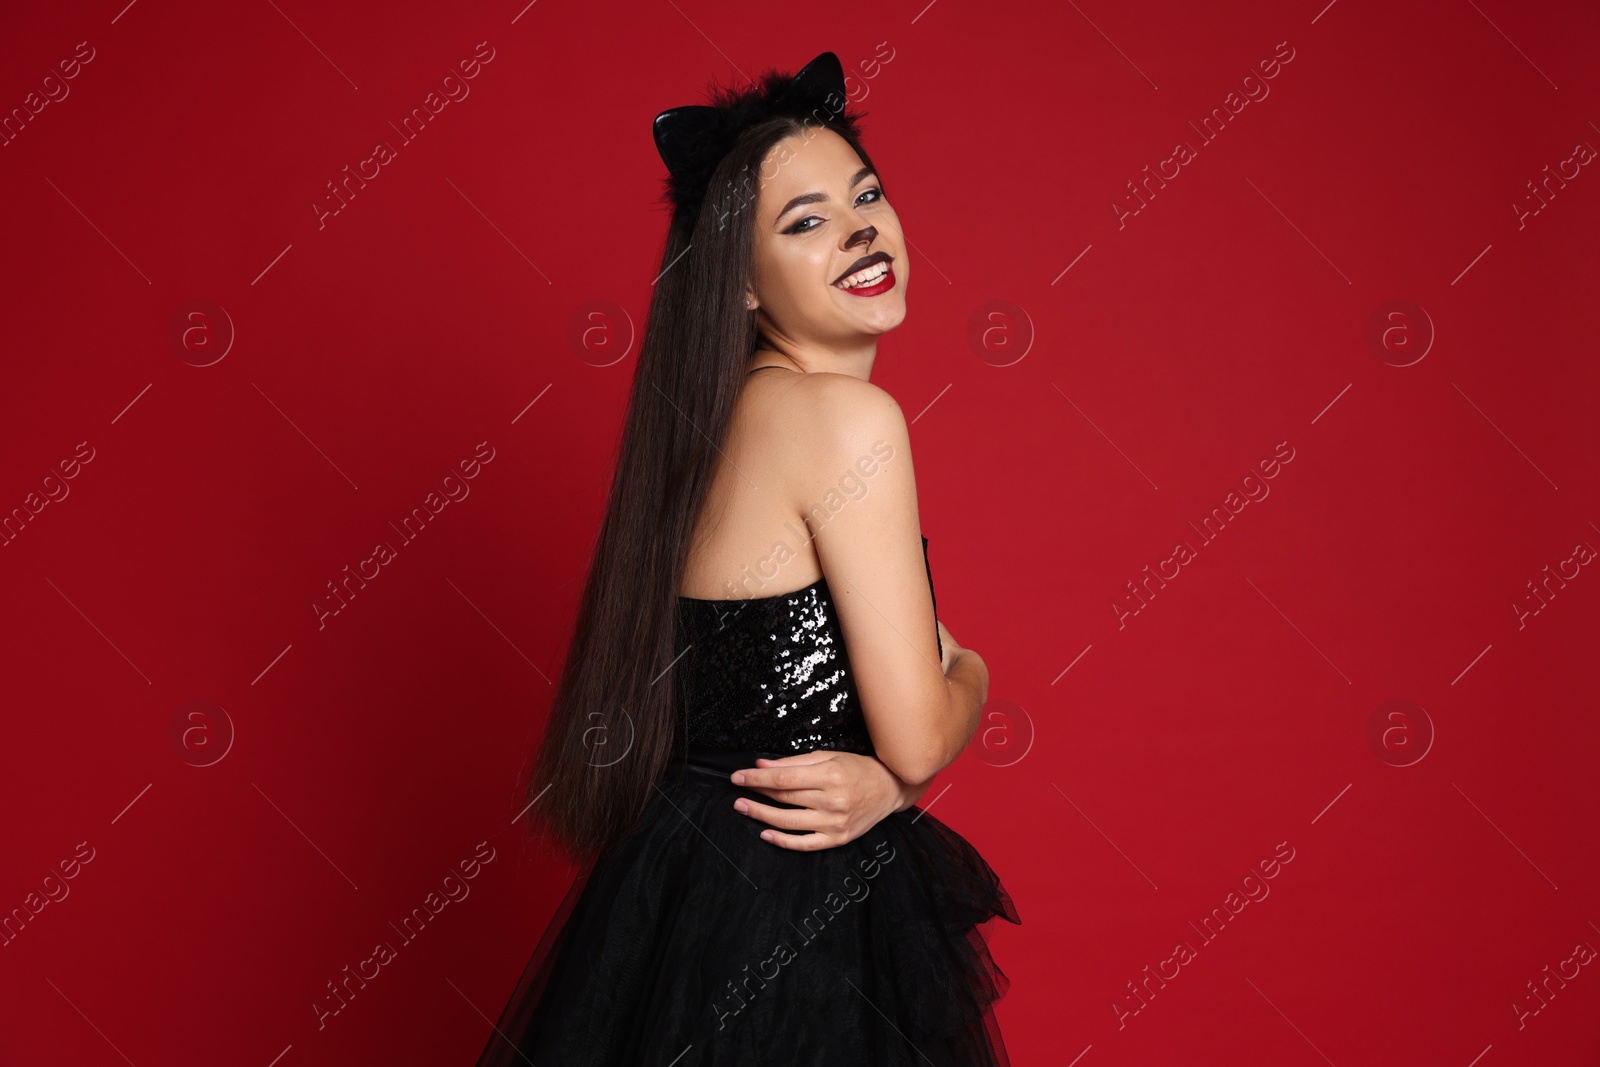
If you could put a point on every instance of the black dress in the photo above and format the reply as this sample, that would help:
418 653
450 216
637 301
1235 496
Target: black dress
693 942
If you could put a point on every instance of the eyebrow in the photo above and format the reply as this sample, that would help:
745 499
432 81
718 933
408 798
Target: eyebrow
817 198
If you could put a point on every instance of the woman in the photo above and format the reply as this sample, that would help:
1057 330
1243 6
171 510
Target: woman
758 689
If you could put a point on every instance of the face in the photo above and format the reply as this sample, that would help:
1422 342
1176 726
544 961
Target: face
819 212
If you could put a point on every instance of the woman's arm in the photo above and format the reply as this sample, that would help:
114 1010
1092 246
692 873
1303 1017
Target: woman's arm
841 795
869 549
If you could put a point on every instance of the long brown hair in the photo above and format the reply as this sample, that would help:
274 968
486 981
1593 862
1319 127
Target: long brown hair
614 728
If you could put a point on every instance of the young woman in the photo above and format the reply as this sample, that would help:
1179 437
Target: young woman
758 689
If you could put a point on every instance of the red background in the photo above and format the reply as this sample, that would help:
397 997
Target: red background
363 357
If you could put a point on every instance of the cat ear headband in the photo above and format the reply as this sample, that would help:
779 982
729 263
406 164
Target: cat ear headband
694 138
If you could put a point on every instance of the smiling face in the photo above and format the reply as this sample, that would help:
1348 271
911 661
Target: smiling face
819 213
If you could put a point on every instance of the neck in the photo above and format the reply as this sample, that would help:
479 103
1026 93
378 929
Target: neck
855 360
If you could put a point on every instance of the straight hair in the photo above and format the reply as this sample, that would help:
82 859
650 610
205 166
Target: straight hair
615 731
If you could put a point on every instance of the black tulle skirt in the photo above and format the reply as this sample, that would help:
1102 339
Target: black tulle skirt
694 942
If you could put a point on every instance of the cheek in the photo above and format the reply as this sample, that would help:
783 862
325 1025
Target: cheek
802 274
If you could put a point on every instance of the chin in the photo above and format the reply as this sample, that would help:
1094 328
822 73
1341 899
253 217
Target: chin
878 328
886 319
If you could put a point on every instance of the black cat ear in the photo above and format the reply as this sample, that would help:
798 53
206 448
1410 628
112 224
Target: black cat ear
685 134
820 86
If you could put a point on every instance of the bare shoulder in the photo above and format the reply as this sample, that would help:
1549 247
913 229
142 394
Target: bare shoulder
829 424
841 416
842 394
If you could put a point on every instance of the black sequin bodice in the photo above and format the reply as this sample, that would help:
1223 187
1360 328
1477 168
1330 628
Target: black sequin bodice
769 674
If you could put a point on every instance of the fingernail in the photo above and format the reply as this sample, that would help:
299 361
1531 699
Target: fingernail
741 806
766 835
738 778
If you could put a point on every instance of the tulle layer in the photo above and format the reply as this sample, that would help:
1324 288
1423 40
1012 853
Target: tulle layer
694 943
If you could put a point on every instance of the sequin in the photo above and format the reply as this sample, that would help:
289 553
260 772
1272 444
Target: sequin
770 674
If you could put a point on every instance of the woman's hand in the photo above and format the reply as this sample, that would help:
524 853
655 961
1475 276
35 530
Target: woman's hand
841 795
